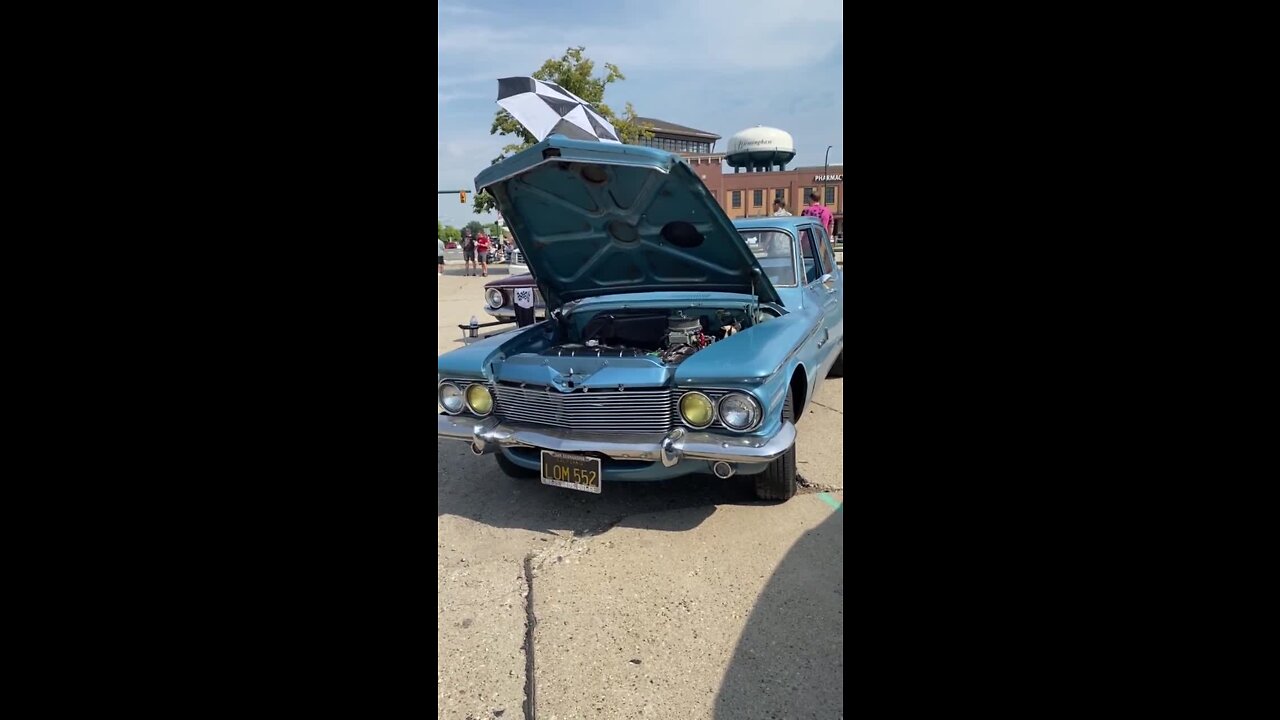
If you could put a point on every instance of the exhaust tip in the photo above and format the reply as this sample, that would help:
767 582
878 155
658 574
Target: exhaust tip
723 470
476 449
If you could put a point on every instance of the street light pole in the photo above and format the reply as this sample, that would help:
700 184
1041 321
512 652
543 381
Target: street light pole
825 167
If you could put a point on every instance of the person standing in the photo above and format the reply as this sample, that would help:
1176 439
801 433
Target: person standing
440 254
482 253
468 251
779 209
817 210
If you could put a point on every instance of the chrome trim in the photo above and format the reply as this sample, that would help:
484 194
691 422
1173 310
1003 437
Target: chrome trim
488 434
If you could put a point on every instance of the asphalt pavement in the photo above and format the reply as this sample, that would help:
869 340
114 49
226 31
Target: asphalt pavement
681 599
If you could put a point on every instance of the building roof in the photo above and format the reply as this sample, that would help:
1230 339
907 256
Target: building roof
674 129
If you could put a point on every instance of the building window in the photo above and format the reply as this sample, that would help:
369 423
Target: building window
737 198
807 193
780 195
830 199
757 198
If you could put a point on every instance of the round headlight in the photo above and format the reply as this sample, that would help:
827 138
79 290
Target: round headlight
451 398
479 399
739 411
696 409
493 296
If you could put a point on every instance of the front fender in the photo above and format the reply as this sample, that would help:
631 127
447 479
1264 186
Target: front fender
475 359
751 356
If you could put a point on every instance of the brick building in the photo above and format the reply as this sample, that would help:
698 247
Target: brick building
750 194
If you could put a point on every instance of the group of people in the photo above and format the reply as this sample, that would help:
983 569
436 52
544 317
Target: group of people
815 209
475 252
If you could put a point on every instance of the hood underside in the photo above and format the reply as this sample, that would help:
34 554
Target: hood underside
601 218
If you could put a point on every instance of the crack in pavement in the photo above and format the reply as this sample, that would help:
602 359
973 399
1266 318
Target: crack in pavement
815 402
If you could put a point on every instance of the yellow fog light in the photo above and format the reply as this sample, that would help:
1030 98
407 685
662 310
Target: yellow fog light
479 400
696 410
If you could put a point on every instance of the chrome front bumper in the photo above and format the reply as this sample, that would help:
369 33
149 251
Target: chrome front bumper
486 435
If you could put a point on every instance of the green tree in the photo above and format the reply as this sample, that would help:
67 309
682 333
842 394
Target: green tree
573 72
451 233
476 228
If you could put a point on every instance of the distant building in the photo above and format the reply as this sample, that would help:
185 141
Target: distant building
757 150
677 138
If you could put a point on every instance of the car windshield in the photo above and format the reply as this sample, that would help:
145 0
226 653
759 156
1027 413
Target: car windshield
772 249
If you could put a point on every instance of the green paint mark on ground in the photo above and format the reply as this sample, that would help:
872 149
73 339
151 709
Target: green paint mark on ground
826 498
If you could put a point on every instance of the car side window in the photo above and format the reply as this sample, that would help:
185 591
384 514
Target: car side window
810 254
824 247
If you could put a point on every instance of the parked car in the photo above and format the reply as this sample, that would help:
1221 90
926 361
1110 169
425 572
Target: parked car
677 341
499 296
451 245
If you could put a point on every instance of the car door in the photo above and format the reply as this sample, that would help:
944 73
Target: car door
828 252
823 290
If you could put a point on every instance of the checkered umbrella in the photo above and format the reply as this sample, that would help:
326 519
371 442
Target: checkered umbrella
545 109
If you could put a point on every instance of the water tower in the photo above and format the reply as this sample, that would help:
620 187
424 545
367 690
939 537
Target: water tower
759 149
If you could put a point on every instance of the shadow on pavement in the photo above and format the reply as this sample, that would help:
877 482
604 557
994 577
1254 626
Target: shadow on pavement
475 488
790 659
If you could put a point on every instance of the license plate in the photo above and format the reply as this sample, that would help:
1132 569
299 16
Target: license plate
576 472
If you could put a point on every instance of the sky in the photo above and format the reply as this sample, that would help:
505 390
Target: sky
714 65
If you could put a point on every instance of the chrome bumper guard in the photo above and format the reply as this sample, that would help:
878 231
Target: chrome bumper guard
486 435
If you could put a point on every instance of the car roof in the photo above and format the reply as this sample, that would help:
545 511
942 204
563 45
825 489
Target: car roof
785 221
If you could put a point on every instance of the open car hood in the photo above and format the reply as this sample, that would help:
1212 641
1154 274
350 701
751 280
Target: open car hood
602 219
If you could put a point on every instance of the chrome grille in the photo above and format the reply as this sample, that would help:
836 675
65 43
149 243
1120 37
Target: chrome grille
604 411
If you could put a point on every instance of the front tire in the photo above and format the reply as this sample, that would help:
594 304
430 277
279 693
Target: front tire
778 481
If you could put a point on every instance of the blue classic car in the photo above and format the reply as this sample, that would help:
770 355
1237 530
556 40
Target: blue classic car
677 342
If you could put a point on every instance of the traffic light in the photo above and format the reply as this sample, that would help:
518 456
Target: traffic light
463 195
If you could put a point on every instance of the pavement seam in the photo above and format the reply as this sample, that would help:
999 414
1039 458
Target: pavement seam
531 621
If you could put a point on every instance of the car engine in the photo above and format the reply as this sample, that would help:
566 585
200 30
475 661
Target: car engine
666 337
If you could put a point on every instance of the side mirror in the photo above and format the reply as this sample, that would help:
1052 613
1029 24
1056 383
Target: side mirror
829 282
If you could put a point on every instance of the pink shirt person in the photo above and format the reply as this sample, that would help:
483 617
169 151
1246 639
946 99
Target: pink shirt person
816 209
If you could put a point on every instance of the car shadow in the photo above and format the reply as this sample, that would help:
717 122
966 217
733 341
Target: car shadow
474 487
790 658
